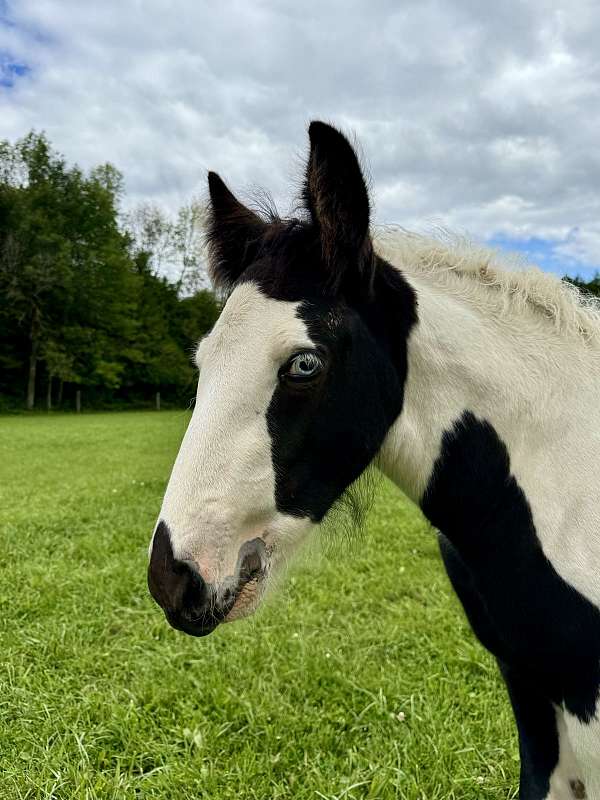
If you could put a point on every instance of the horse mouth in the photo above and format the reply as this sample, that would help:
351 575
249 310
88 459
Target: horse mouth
193 627
248 599
200 607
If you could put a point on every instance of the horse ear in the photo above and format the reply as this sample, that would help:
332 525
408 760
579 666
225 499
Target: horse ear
336 196
233 235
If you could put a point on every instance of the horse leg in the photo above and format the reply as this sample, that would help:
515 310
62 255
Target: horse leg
549 769
547 765
584 738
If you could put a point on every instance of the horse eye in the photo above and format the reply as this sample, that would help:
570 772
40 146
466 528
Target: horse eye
304 365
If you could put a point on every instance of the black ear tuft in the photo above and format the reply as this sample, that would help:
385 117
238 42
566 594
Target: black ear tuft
233 235
336 196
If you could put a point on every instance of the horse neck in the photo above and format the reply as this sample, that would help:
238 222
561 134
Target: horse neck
515 372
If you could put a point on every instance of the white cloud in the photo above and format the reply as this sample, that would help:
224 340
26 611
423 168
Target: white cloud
480 117
581 246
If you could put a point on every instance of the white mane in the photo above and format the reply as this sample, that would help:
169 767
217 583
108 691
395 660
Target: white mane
471 270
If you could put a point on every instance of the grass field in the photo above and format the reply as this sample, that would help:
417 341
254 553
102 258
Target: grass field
360 678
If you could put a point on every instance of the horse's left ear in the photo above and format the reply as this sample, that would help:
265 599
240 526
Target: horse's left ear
233 235
336 195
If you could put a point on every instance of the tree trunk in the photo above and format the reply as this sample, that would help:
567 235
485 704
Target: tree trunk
158 401
78 400
34 338
49 394
60 392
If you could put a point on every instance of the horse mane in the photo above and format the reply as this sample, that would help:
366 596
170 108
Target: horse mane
475 272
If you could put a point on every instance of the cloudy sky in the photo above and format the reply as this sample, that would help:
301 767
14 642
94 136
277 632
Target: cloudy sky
481 117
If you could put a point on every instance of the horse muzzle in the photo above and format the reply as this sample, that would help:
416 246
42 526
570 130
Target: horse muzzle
193 605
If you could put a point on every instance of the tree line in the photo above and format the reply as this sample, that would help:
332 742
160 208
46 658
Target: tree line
591 287
93 302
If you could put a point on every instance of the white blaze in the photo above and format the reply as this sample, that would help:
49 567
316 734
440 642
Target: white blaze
221 492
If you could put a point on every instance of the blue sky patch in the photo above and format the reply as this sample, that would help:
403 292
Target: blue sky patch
543 252
11 70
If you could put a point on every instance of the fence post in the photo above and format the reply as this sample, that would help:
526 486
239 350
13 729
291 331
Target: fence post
78 401
158 401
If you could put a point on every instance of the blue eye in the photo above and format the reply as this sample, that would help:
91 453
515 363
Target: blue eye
304 365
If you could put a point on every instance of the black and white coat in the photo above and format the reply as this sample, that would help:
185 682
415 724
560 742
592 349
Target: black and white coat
472 386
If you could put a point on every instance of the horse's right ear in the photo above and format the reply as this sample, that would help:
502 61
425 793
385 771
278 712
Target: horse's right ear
337 198
233 235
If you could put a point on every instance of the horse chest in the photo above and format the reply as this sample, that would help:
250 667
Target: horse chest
521 609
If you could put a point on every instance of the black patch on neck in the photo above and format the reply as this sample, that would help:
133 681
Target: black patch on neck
541 624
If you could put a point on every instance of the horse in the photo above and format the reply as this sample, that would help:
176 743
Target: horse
471 384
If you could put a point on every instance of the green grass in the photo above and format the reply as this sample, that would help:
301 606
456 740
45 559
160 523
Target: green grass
359 679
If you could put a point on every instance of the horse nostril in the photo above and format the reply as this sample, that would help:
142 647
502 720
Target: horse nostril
252 560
